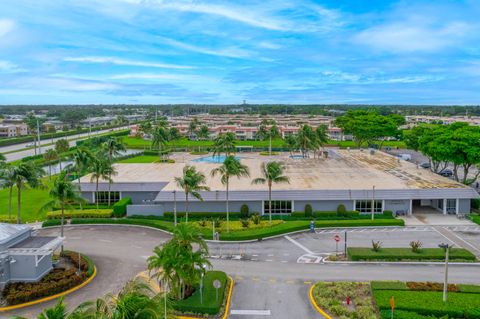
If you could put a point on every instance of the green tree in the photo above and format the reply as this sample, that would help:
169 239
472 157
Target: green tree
321 137
191 182
63 193
291 143
192 127
25 174
81 158
224 143
231 167
49 156
7 179
306 140
61 146
59 311
100 168
146 127
114 147
160 140
203 132
272 133
272 173
177 263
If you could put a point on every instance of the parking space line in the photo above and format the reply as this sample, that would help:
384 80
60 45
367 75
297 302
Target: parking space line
251 312
296 243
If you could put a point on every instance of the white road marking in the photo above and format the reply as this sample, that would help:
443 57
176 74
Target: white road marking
466 242
105 240
251 312
268 260
296 243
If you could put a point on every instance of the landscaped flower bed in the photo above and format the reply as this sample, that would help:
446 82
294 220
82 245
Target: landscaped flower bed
81 213
57 281
237 225
402 254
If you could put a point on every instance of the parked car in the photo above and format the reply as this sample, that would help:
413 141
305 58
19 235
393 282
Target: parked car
425 165
446 172
29 145
405 157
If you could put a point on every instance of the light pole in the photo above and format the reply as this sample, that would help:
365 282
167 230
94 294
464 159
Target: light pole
165 297
446 247
373 202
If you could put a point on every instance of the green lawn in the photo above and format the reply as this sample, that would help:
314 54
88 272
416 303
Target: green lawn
32 202
210 304
247 234
476 219
141 159
400 254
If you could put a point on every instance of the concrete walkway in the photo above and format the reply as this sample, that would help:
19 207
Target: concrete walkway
435 219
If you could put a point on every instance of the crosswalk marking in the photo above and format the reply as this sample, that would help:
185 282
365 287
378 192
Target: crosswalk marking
251 312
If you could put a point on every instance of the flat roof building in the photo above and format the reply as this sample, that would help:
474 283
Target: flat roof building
350 177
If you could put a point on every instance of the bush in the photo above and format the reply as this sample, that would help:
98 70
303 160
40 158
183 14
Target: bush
297 215
120 207
84 213
388 213
402 314
430 286
245 223
244 211
416 245
399 254
335 215
341 210
202 222
86 264
474 289
376 245
199 215
256 219
308 210
388 285
51 222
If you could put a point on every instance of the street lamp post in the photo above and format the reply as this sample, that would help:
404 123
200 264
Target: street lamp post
445 283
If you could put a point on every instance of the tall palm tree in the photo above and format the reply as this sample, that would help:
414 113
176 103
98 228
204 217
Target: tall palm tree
114 147
272 133
61 146
291 143
100 168
306 139
49 156
321 137
192 127
63 193
231 167
272 173
7 178
81 160
160 139
26 173
224 143
191 182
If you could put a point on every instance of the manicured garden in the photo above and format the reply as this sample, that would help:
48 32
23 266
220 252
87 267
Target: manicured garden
415 300
407 254
412 300
141 159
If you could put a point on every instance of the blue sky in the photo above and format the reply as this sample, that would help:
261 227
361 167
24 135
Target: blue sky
270 51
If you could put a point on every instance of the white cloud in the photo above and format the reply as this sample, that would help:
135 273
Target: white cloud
227 52
411 36
9 67
117 61
6 25
269 45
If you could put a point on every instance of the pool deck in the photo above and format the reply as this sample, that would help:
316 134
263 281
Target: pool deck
352 169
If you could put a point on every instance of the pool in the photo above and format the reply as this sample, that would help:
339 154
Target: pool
211 159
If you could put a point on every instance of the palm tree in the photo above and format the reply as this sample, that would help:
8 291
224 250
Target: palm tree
291 143
49 156
321 136
3 160
192 127
224 143
203 133
271 174
305 139
191 183
272 133
7 178
59 311
160 139
81 159
100 168
61 146
136 300
231 167
26 173
114 147
63 194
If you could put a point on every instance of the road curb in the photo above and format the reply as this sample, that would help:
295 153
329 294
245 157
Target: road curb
38 301
437 263
227 304
314 304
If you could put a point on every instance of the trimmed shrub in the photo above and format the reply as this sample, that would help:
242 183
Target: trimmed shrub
84 213
199 215
341 210
297 215
402 314
430 286
387 213
308 210
473 289
120 207
335 215
244 211
399 254
51 222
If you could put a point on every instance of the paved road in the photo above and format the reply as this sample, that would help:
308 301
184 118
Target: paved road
23 153
272 284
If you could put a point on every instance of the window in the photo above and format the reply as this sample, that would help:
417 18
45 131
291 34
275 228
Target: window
102 197
365 206
278 207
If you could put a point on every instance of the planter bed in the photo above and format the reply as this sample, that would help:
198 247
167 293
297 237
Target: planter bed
406 254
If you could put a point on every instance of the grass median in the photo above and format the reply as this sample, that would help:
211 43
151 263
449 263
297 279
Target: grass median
406 254
238 235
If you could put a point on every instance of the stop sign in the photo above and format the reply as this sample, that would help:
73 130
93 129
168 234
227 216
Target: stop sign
337 238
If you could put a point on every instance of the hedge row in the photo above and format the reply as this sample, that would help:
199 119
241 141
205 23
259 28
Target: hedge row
120 207
84 213
51 222
210 306
402 314
399 254
196 215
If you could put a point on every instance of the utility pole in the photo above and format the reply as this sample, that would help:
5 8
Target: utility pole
373 202
445 282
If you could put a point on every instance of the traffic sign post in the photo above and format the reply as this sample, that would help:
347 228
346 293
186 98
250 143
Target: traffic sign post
217 284
337 240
